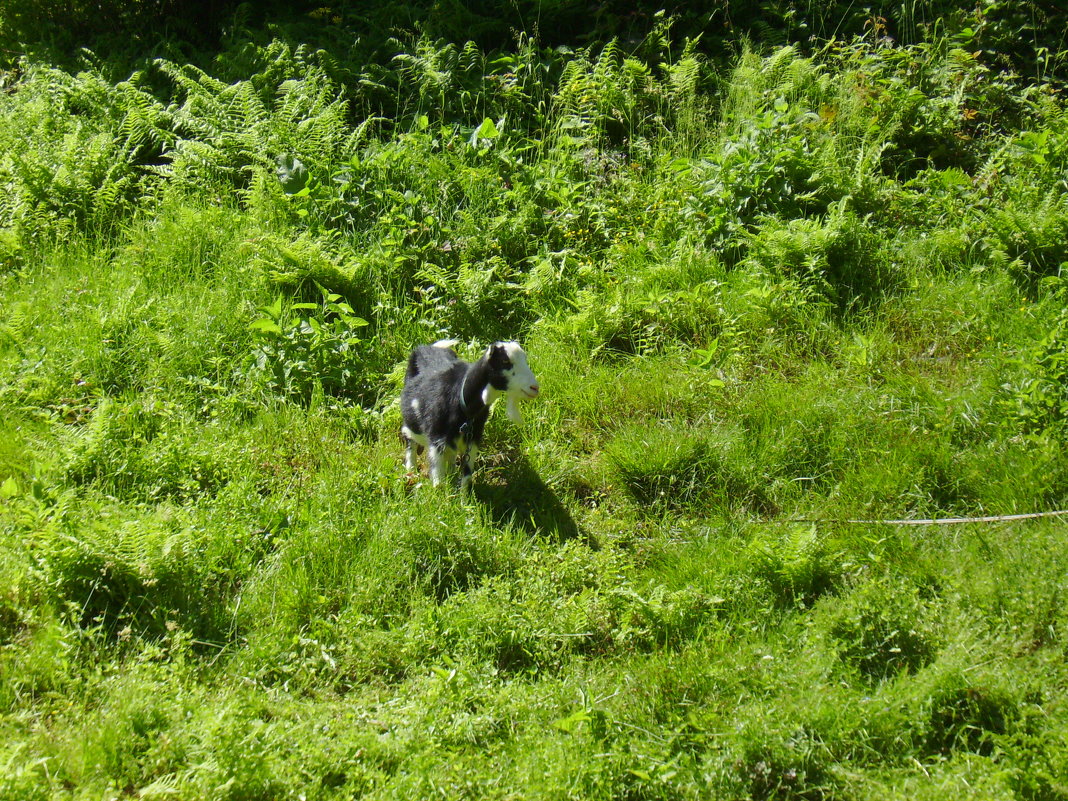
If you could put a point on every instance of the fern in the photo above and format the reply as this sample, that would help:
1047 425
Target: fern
146 128
472 59
779 67
1032 232
430 71
797 564
229 132
65 162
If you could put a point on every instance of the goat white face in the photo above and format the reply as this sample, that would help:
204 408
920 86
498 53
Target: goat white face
519 381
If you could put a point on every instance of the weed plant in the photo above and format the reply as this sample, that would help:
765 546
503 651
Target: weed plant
817 284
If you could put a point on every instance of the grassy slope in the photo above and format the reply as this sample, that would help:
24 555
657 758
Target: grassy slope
803 288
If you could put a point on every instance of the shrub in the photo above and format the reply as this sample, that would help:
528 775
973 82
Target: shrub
797 563
967 717
667 465
1030 233
144 449
660 465
882 628
1036 398
65 167
836 260
302 353
227 134
770 764
764 169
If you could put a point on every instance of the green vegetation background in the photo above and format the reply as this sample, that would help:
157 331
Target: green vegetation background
772 262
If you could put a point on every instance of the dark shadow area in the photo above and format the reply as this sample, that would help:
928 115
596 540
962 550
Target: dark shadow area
513 492
1013 36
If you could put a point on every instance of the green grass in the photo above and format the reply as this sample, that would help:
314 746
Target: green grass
794 288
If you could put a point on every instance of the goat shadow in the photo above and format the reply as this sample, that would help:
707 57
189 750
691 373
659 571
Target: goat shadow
520 497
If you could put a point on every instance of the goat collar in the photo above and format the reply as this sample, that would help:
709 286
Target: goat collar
486 391
463 400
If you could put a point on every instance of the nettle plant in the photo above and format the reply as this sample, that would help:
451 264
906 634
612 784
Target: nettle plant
1036 398
303 346
764 169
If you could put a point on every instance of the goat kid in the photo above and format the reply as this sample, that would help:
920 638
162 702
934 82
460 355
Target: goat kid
446 402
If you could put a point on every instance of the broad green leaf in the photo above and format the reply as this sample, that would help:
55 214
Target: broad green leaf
275 309
10 488
266 326
572 721
488 130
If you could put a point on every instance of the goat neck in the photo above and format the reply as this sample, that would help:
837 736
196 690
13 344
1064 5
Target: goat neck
476 392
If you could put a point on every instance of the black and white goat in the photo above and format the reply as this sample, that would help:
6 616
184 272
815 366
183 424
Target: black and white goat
446 402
